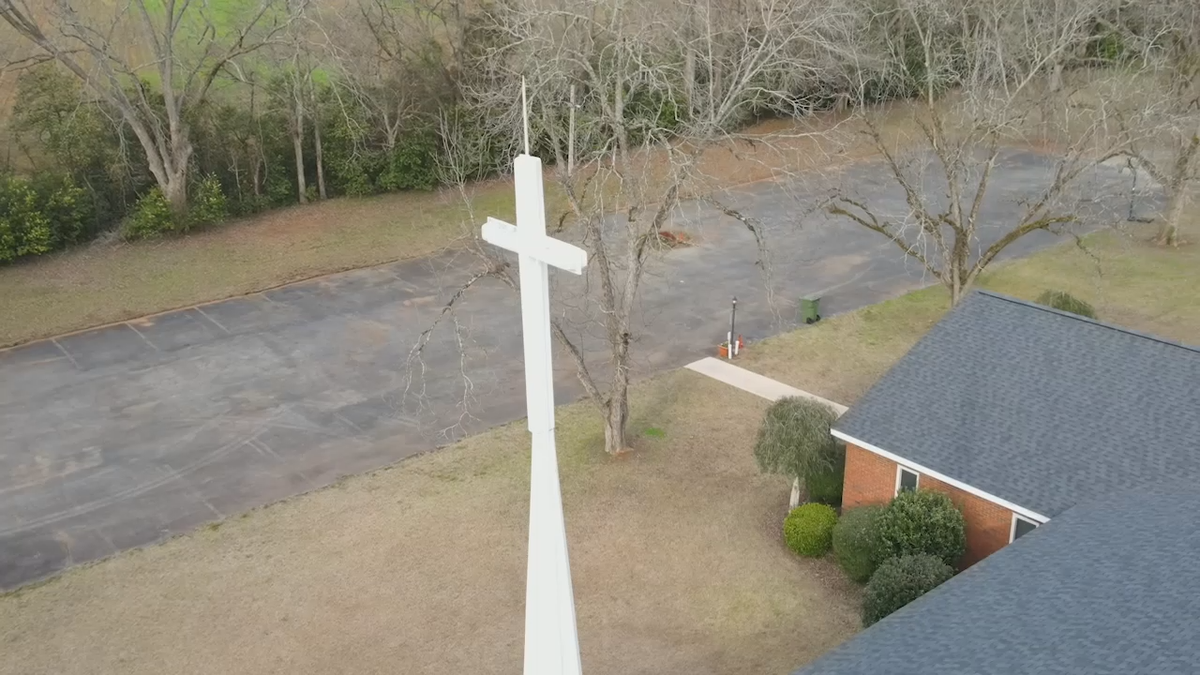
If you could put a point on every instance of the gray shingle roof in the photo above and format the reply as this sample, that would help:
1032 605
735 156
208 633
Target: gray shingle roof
1038 407
1109 587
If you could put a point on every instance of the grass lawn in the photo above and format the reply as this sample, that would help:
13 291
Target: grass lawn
676 551
1129 281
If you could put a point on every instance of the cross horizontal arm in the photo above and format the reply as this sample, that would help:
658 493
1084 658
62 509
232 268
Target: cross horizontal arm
549 250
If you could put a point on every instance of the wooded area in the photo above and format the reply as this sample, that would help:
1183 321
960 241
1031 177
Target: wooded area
168 115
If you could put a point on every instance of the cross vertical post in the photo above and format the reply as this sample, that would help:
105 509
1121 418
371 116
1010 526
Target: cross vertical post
551 638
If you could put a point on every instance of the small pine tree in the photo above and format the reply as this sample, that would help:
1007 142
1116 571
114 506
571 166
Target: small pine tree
794 441
151 217
208 204
1065 302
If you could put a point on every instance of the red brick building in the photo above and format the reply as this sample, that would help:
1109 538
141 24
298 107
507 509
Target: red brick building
875 476
1018 412
1024 414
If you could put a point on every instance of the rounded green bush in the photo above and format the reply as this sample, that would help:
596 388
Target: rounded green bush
922 522
899 581
856 542
808 529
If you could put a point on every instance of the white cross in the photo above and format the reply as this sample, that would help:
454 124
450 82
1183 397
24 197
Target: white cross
551 640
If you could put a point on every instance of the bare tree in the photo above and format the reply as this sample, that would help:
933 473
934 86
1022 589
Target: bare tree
1164 126
316 105
179 46
636 93
303 104
298 79
985 76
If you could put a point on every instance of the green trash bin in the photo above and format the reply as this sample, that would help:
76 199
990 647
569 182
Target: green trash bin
810 309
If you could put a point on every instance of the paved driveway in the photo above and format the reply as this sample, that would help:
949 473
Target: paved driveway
121 436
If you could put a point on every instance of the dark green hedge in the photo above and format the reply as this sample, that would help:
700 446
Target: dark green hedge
40 215
899 581
856 542
923 522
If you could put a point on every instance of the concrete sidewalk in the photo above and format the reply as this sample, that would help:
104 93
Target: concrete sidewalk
759 385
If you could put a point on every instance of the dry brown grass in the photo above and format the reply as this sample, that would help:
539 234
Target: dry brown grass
1130 281
676 554
105 283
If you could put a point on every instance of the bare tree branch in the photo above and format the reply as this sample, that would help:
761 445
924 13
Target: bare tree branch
989 75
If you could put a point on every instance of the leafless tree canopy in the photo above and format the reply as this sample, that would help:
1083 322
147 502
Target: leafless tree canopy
1163 122
624 98
987 75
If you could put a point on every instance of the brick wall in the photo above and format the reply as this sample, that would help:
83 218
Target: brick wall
871 479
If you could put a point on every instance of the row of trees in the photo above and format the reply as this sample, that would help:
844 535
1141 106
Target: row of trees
177 78
153 100
626 99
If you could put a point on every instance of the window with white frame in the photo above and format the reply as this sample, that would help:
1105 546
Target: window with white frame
1021 527
906 479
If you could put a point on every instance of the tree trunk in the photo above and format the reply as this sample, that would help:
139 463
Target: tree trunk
235 166
689 67
1178 188
175 190
169 170
1169 234
954 284
616 421
298 146
389 137
715 82
571 136
320 159
256 165
959 290
795 499
960 264
619 119
1056 77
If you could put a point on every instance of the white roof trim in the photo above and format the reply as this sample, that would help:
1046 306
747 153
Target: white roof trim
1032 515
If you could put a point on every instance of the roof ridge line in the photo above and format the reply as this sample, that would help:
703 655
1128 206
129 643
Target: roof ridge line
1102 324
